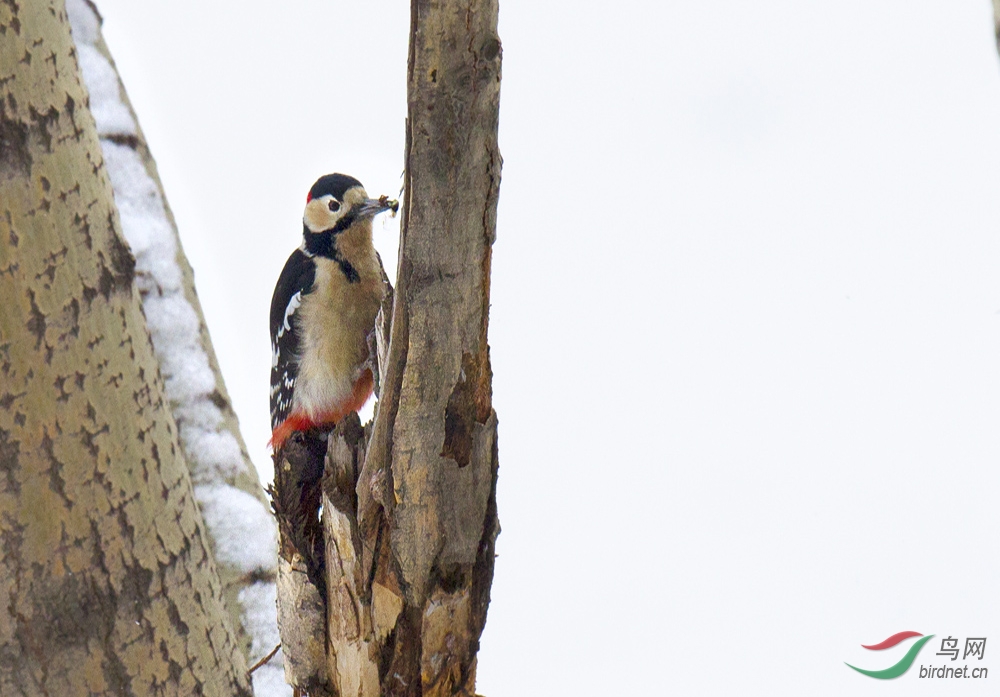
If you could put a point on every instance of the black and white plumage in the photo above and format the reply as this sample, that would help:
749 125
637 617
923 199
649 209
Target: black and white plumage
323 309
296 279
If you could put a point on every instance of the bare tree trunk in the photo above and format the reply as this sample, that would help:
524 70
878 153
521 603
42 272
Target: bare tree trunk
410 519
240 526
435 437
106 580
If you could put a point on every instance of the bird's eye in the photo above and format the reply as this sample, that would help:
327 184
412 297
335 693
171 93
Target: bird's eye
334 205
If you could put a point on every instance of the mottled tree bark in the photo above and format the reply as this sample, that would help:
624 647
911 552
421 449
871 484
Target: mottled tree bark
241 531
107 585
409 513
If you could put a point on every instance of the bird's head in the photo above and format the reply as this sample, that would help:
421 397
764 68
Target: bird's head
336 202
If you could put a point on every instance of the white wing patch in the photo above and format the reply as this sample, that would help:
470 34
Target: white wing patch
283 385
293 305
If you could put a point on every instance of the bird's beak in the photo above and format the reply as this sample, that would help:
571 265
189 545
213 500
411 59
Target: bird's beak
373 206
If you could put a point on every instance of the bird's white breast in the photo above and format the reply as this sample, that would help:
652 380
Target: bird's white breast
334 320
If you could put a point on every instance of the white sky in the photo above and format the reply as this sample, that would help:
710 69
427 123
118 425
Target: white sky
746 311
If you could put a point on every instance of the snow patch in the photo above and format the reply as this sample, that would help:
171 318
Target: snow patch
221 456
173 314
243 528
269 680
259 602
200 412
85 24
110 114
144 220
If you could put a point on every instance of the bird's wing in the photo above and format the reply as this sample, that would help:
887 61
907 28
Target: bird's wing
296 281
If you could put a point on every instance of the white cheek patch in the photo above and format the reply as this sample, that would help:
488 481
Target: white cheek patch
318 216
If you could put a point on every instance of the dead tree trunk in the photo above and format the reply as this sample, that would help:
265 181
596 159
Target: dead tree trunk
409 513
107 583
427 493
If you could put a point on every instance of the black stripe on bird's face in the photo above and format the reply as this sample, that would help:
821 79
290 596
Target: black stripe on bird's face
322 244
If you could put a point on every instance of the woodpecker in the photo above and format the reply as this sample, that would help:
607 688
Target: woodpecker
323 309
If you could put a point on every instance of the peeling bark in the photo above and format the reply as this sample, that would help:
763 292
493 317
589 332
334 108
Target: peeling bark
107 583
439 442
409 510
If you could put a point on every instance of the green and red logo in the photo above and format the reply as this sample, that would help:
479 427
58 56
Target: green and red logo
894 671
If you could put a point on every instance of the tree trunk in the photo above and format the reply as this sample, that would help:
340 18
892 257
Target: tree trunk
434 442
106 579
241 529
409 514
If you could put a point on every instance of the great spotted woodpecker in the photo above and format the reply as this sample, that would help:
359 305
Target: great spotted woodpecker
323 309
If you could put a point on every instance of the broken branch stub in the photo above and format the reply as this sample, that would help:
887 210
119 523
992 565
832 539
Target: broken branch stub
295 497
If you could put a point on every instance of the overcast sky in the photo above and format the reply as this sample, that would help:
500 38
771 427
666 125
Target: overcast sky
746 311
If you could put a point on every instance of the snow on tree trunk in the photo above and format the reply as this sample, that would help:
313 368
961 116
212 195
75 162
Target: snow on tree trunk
107 583
409 508
240 525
